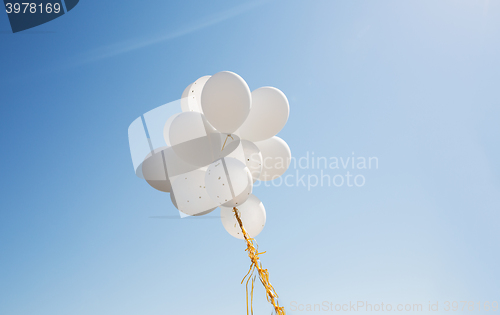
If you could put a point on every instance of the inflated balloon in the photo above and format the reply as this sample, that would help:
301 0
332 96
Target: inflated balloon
188 126
223 140
253 158
226 101
193 139
252 215
184 99
172 199
192 101
154 171
166 129
276 157
190 194
268 115
228 182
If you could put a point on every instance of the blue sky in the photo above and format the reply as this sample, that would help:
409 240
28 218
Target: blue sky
413 83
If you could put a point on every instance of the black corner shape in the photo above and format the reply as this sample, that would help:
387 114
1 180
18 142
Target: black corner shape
25 14
70 4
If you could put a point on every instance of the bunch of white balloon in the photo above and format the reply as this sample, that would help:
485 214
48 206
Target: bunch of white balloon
218 146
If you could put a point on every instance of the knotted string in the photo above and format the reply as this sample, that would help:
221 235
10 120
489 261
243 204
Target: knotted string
253 253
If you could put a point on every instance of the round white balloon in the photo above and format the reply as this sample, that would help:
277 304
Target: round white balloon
226 101
166 128
192 101
192 138
189 194
184 99
276 157
172 198
188 126
228 182
252 215
268 115
154 171
253 158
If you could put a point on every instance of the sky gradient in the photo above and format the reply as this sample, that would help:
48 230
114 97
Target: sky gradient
412 83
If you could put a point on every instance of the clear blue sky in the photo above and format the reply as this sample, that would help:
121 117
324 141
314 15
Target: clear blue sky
413 83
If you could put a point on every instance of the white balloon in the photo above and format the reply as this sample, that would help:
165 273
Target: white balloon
268 115
226 101
172 198
154 171
276 157
192 101
238 152
192 138
189 194
252 215
253 158
184 99
228 182
166 129
188 126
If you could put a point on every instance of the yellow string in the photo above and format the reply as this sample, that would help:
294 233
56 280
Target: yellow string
253 253
226 141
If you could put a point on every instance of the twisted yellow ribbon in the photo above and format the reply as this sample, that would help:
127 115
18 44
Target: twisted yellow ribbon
253 253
